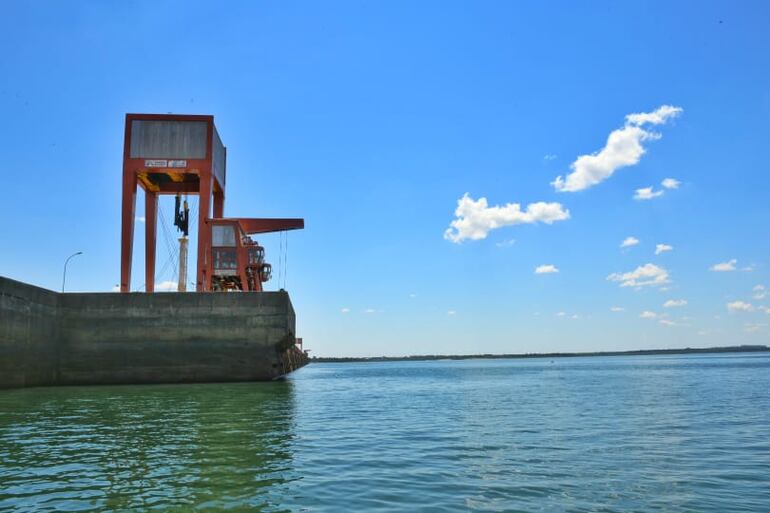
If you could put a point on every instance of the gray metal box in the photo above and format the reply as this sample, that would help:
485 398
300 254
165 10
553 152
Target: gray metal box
168 139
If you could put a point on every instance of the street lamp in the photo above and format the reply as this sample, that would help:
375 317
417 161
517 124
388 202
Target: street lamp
64 275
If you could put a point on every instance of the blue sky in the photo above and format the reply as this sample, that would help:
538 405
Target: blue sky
371 120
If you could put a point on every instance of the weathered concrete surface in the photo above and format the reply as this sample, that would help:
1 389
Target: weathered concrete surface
28 334
48 338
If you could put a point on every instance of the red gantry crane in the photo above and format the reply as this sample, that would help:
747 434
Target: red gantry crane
183 154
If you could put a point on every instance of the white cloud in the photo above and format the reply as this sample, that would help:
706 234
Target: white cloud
662 248
546 269
167 286
116 288
648 315
628 242
549 157
724 266
561 314
760 292
474 218
345 310
670 183
740 306
748 268
674 303
575 316
646 193
505 243
370 310
647 274
657 117
666 322
617 309
451 312
412 295
753 327
140 219
623 148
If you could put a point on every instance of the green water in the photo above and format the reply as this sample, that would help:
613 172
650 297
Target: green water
688 433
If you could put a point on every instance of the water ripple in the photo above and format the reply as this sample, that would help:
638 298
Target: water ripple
676 434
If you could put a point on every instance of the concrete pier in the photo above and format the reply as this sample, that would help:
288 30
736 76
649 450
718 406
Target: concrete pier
47 338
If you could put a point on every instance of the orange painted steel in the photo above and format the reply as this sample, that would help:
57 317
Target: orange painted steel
189 162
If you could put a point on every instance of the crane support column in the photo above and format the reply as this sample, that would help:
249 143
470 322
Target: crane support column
150 233
204 235
219 204
127 229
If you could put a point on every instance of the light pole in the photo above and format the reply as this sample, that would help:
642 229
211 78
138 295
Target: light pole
64 275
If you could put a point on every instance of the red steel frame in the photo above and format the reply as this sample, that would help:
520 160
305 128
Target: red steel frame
209 189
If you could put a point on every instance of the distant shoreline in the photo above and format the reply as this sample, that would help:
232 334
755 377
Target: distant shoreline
638 352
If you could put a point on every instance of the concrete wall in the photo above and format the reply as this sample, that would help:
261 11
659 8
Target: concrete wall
28 334
64 339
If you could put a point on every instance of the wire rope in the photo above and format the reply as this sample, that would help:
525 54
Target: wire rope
172 251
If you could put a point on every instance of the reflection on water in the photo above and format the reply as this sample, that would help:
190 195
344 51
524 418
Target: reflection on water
680 434
136 447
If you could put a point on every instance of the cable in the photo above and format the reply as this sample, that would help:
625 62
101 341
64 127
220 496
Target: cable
172 252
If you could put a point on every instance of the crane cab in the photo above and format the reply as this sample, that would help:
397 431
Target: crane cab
237 261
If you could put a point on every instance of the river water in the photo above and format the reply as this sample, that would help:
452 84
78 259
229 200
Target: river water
655 433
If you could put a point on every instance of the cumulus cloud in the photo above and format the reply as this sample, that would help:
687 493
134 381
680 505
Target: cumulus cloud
549 157
451 312
475 218
667 322
674 303
345 310
646 193
657 117
724 266
648 315
505 243
662 248
546 269
670 183
370 310
740 306
628 242
623 148
760 292
644 275
617 309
